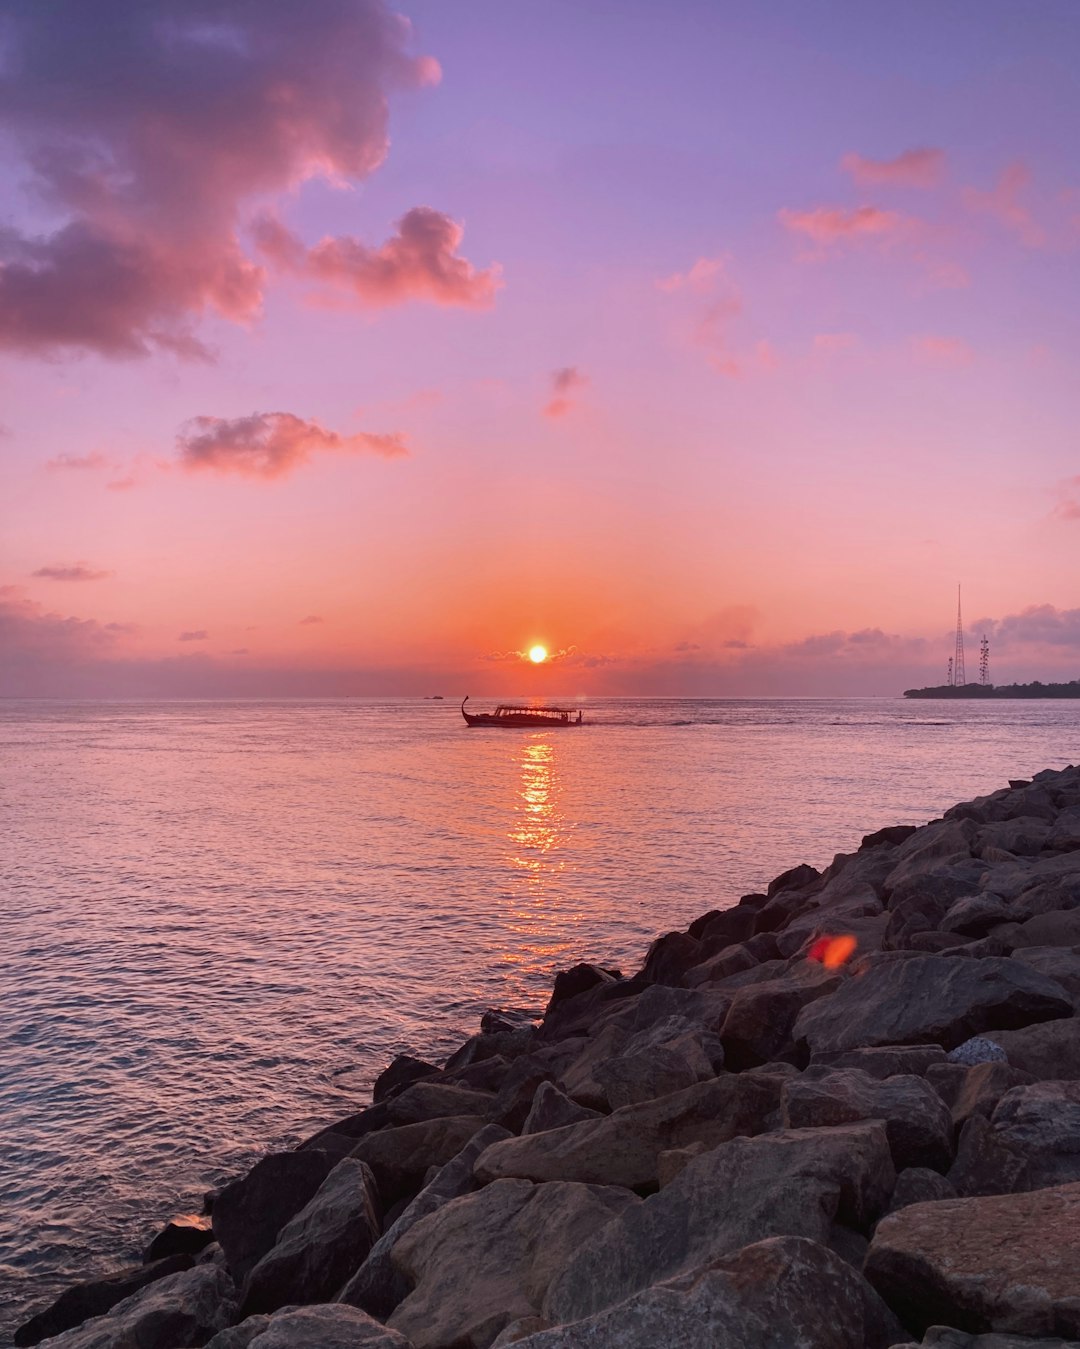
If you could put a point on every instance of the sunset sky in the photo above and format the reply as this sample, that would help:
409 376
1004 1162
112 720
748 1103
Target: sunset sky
708 344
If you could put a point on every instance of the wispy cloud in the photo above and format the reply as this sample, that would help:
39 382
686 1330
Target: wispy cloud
1006 203
311 619
196 635
566 385
934 349
77 463
921 167
271 444
75 571
831 225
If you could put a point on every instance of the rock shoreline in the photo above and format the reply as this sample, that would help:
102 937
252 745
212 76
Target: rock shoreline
760 1139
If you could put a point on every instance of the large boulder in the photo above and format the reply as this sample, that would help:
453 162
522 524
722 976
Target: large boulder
399 1157
915 999
1059 963
1049 1051
1007 1263
781 1293
249 1213
486 1259
327 1326
885 1060
182 1309
435 1100
757 1028
623 1148
1059 927
321 1246
791 1183
975 1090
551 1109
378 1285
95 1297
402 1070
917 1121
1031 1140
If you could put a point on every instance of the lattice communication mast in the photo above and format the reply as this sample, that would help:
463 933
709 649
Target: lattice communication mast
984 661
958 676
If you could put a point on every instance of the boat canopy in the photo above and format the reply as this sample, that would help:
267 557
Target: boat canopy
510 709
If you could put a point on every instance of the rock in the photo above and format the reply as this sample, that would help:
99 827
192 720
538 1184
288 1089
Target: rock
1031 1140
96 1297
494 1020
933 942
187 1234
519 1330
978 1049
1060 927
507 1045
670 957
673 1162
891 836
485 1259
322 1246
727 962
435 1100
329 1326
1005 1263
790 1183
922 901
781 1293
724 928
911 999
758 1025
1024 835
624 1148
1049 1052
181 1309
249 1213
378 1286
919 1185
946 1337
917 1122
940 842
402 1072
365 1121
399 1157
1061 965
551 1110
579 979
976 1090
975 915
884 1061
656 1063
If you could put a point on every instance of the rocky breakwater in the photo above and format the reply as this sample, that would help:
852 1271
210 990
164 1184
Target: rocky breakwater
765 1137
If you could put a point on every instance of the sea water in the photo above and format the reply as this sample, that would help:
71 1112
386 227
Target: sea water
219 921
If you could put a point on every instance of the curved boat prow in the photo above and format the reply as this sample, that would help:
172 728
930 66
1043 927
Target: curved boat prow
463 712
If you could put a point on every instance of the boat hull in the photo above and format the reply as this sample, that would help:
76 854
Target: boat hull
516 722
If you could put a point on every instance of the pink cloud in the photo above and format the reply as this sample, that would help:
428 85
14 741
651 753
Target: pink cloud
419 261
947 351
827 225
78 463
75 571
1004 202
270 444
151 171
311 619
566 384
700 277
831 344
1068 508
199 635
922 167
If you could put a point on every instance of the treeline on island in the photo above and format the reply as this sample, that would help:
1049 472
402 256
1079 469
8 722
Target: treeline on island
1036 689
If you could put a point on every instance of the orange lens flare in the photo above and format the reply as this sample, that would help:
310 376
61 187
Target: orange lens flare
833 952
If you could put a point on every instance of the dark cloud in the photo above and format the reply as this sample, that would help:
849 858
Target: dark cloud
270 444
75 571
566 384
150 128
199 635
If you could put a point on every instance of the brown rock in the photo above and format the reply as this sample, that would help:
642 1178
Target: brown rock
96 1297
399 1157
1031 1140
1049 1052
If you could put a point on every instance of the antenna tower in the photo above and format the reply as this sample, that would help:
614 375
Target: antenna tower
984 661
959 678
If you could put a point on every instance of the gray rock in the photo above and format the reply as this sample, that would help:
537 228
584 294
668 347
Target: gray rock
885 1061
95 1297
435 1100
399 1157
330 1326
1059 963
249 1213
1060 927
758 1025
403 1070
911 999
918 1185
623 1148
1032 1140
378 1286
781 1293
791 1183
918 1123
485 1259
551 1110
975 915
1050 1052
187 1234
977 1050
946 1337
1006 1263
321 1246
182 1309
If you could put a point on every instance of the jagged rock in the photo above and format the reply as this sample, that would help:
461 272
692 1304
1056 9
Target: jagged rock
758 1025
623 1148
946 1337
578 979
794 1182
671 1163
486 1259
975 915
551 1110
1059 927
378 1286
435 1100
352 1127
402 1072
181 1309
938 843
884 1061
1005 1263
979 1049
781 1293
911 999
322 1246
729 961
919 1185
1050 1051
495 1020
657 1062
249 1213
399 1157
670 957
96 1297
921 902
975 1090
724 928
1057 963
1031 1140
918 1123
327 1326
1023 835
519 1330
891 836
507 1045
187 1234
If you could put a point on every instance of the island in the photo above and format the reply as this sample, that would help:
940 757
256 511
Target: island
1037 689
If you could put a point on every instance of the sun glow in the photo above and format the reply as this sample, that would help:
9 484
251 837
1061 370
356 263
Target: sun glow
538 654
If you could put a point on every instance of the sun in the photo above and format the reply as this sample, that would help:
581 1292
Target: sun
538 654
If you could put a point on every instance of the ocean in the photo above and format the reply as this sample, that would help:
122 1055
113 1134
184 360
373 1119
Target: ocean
221 920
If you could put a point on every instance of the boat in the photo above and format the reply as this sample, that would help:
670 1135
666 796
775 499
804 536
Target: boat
516 714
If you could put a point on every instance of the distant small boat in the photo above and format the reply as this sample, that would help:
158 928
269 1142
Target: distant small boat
512 714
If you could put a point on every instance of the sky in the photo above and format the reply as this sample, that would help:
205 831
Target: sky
354 350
